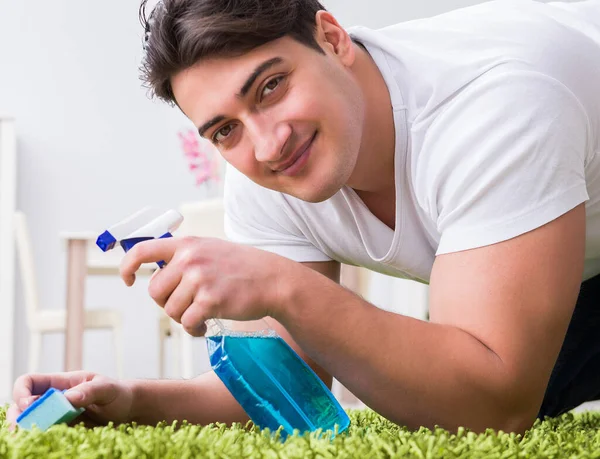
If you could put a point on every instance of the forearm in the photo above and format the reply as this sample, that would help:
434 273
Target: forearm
413 372
201 400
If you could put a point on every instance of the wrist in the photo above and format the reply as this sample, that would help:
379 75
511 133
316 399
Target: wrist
135 391
295 287
146 403
282 289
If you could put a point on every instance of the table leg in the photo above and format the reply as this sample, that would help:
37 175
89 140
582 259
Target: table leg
76 271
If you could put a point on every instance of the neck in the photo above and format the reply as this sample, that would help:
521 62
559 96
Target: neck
374 170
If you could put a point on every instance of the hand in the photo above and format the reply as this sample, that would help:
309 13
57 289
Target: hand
104 399
208 278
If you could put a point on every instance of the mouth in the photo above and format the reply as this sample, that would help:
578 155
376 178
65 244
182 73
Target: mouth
298 159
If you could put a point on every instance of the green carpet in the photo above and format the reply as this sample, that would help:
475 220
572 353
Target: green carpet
370 436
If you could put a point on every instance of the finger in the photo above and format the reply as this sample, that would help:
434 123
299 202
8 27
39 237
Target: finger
24 402
36 384
12 414
146 252
99 391
193 320
181 298
23 387
163 283
155 273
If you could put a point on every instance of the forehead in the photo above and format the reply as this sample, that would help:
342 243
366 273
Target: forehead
211 80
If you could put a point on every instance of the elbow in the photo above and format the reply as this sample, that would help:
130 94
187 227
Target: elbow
521 401
516 411
499 418
510 409
511 399
517 423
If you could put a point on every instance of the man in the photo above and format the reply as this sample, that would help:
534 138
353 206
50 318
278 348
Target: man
459 151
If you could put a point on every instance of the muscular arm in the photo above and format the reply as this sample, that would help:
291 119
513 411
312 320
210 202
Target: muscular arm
205 399
498 318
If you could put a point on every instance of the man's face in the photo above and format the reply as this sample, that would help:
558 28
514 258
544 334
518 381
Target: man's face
284 115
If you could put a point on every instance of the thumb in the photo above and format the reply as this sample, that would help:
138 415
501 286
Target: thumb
98 392
12 414
24 402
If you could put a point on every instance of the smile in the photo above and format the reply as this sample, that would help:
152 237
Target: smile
298 160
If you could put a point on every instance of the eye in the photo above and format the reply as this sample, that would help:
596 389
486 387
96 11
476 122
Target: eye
222 134
271 86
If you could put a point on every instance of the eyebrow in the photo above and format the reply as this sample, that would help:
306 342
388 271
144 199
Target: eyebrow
257 72
210 123
266 65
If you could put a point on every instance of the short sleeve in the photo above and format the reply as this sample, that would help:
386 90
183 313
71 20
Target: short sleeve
262 218
505 156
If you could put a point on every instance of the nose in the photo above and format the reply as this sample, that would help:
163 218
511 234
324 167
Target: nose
269 138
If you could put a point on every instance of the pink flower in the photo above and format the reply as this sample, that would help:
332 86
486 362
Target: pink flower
202 157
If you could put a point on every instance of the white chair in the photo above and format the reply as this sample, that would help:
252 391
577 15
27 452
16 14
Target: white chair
45 320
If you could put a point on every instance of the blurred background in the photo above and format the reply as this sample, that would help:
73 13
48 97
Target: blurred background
91 148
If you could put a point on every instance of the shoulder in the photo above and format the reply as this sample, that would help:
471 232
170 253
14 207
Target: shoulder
507 111
502 156
502 102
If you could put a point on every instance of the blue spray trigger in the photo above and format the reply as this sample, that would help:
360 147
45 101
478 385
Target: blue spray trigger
127 244
106 241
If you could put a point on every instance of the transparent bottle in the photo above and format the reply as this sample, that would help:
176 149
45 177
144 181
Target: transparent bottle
269 379
263 373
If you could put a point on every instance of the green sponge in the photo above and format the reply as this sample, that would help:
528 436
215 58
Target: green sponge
51 408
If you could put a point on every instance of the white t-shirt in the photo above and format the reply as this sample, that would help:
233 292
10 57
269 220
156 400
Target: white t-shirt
497 118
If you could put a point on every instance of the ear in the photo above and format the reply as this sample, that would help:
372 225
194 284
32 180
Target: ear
333 38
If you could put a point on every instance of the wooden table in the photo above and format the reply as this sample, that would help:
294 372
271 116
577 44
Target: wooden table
84 258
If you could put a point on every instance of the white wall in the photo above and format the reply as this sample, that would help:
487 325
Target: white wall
91 146
8 192
380 13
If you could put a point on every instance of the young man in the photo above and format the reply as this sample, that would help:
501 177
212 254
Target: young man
460 151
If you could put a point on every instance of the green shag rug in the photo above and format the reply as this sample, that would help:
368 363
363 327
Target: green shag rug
370 436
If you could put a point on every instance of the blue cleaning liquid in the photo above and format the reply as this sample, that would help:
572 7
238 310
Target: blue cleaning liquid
274 385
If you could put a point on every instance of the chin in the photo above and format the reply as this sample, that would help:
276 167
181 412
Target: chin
313 187
317 193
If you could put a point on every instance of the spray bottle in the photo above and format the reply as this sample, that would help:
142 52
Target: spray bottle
264 374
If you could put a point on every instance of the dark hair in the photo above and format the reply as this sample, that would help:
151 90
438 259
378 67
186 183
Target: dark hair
179 33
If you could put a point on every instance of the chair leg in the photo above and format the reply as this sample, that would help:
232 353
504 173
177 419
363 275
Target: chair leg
118 343
35 349
187 355
176 332
162 338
